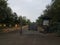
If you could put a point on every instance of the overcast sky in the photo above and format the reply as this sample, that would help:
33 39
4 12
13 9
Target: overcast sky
32 9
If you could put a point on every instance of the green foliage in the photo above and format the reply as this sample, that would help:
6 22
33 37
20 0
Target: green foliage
23 20
28 22
53 12
9 18
58 29
39 20
6 15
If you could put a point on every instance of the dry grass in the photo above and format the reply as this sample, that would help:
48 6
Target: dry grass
15 28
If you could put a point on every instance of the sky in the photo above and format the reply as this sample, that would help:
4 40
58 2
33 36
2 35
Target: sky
32 9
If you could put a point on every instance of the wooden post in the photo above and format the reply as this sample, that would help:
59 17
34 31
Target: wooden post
21 26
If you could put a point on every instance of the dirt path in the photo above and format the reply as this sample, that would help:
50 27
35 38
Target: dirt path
27 39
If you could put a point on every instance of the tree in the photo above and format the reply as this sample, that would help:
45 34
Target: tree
52 11
39 20
22 20
28 22
3 6
6 15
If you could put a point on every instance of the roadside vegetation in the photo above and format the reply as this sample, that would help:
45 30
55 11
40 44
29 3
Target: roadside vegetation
8 18
52 11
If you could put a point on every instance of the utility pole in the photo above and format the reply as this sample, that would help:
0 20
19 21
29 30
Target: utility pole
21 25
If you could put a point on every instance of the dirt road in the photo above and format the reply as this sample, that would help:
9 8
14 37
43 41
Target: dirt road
14 38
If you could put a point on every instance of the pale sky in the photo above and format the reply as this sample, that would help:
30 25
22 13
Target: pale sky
32 9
